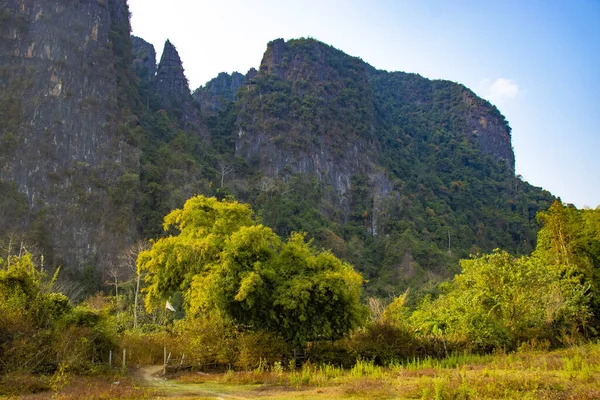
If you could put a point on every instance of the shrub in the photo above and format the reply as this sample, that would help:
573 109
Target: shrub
383 342
40 330
259 348
336 353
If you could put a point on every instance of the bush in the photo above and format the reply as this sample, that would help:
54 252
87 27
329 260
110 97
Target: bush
334 353
383 342
208 342
144 348
260 348
40 330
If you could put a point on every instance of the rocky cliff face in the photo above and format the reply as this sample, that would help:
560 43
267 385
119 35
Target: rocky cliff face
172 88
144 62
219 92
58 129
309 109
315 110
488 128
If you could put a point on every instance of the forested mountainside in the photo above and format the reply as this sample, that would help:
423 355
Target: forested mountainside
396 173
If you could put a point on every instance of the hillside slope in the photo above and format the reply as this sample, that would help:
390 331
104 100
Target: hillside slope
398 174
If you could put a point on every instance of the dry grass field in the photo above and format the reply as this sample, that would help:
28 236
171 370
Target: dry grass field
571 373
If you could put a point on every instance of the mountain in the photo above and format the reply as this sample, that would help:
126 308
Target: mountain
67 170
220 91
396 173
399 174
313 109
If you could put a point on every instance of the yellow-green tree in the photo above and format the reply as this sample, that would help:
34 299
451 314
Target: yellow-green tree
223 261
500 300
39 329
496 301
202 226
569 246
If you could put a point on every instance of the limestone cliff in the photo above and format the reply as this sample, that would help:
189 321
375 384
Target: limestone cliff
144 62
218 92
58 126
172 88
313 109
310 109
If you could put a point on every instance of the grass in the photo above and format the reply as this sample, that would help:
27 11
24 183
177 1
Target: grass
80 387
571 373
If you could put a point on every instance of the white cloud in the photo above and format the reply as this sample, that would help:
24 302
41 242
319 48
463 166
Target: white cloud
499 90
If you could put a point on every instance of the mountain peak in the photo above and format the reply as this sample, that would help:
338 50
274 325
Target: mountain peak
170 78
144 58
172 86
219 92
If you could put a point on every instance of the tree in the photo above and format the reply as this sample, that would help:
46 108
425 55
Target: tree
225 169
569 245
500 301
203 225
223 261
39 329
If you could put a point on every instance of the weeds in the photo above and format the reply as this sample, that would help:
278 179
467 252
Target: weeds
366 368
570 373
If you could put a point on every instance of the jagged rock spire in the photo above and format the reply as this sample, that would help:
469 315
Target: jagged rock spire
173 89
171 82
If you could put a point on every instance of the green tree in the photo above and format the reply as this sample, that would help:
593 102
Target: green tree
223 261
498 301
569 245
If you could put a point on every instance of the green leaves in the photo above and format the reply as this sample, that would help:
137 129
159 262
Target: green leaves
39 329
224 262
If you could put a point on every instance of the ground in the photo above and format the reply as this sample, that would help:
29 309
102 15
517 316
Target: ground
569 373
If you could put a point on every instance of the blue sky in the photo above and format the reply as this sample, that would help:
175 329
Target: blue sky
537 61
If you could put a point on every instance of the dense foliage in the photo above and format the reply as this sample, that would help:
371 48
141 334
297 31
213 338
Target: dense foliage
223 262
255 301
502 301
40 330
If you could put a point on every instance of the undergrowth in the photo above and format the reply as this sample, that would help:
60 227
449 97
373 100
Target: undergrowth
570 373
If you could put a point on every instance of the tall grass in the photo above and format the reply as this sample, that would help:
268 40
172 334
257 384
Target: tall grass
453 360
570 373
366 368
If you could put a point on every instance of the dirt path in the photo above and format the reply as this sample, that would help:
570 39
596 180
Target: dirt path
151 376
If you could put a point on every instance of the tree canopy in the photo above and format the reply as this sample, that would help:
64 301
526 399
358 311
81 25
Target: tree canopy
223 261
500 301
